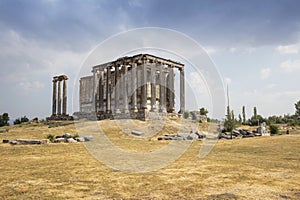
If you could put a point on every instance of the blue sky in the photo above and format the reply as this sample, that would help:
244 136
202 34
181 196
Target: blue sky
255 45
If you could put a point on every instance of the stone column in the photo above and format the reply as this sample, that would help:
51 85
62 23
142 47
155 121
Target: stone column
117 90
54 96
182 92
59 97
108 92
144 85
101 94
171 90
124 89
153 87
162 89
134 87
64 106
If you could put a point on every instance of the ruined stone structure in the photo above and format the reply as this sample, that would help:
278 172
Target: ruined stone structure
140 87
59 99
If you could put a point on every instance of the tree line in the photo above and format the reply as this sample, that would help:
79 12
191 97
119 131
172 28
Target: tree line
231 121
4 120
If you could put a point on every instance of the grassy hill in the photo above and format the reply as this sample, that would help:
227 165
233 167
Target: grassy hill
252 168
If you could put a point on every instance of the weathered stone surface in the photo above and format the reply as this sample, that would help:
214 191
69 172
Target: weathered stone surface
59 140
45 141
137 133
88 138
80 139
13 142
194 135
67 135
25 141
71 140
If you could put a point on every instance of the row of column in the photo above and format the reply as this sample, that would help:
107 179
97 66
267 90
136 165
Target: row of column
59 98
121 90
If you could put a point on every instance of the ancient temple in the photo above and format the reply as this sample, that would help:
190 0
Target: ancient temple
140 87
59 99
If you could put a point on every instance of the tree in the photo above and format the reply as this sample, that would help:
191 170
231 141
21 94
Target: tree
203 111
24 119
273 129
240 119
21 120
254 112
4 119
229 123
244 115
297 106
17 121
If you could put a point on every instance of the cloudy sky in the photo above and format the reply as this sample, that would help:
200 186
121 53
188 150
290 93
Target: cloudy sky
255 46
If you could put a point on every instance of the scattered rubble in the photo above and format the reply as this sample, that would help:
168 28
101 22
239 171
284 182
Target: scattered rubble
193 135
67 138
26 141
137 133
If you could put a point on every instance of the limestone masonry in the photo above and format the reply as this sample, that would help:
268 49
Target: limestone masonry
139 87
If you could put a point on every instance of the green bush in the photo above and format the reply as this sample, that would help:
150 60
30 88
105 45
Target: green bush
50 137
186 114
274 129
75 136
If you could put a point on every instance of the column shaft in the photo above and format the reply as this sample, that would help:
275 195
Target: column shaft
144 85
108 92
182 92
54 97
153 87
117 89
64 108
162 90
101 95
125 89
59 98
171 90
134 87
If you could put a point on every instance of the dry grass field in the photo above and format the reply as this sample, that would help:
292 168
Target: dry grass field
252 168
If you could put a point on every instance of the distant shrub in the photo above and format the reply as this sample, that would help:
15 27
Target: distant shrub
50 137
75 136
274 129
21 120
17 121
186 114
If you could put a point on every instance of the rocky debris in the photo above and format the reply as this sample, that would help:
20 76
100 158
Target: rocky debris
26 141
88 138
68 138
80 139
2 131
243 133
71 140
193 135
59 140
137 133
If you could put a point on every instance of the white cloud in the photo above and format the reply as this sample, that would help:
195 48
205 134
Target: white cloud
265 73
210 50
270 86
26 85
232 49
290 66
289 49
